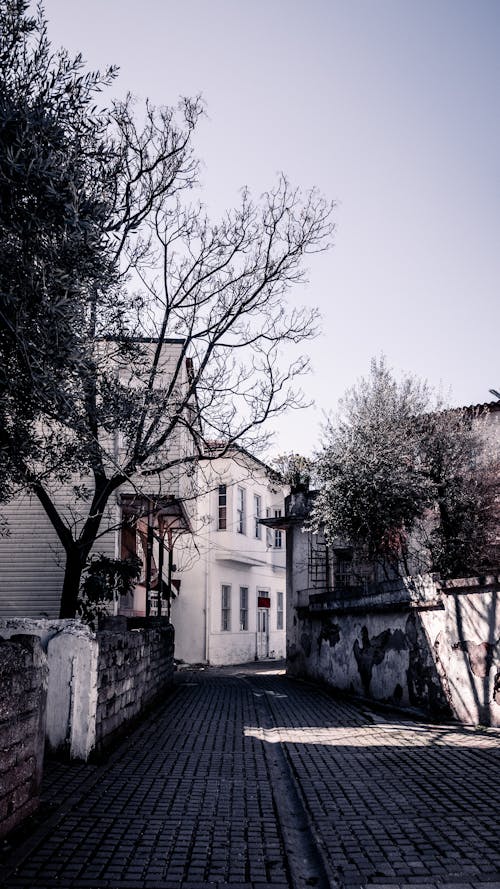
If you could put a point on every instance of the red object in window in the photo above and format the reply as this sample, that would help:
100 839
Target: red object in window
263 602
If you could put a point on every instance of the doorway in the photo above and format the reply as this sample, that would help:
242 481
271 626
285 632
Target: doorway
262 633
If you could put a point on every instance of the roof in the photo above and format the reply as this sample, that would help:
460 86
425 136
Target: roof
145 339
491 406
214 446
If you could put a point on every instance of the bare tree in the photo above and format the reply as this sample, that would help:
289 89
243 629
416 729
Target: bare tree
215 292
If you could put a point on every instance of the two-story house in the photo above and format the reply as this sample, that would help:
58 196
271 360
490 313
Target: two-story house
230 607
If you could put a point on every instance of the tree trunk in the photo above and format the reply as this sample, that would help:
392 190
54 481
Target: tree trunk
75 563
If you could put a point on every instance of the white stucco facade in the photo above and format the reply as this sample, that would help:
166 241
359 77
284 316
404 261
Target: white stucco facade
231 604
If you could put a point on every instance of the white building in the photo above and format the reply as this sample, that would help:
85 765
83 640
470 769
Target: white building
229 569
230 607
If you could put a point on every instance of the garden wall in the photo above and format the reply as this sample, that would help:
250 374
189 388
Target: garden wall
420 644
23 686
133 668
98 682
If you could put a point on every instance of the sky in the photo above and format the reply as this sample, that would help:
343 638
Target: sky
390 108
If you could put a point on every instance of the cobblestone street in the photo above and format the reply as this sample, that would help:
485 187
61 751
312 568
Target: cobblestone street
245 778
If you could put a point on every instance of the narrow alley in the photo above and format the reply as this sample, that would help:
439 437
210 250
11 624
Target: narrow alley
243 778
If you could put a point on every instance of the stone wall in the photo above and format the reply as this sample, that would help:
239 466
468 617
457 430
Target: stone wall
420 644
97 682
23 686
134 667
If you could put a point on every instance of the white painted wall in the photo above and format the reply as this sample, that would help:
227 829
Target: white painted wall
72 655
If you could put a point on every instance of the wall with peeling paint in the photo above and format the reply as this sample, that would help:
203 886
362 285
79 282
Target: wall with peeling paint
420 644
97 682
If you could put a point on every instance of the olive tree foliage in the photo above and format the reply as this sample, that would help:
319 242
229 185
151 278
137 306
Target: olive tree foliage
293 469
128 260
52 241
403 480
463 468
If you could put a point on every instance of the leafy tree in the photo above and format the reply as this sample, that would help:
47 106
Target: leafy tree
465 488
371 487
404 480
293 470
52 241
105 580
156 269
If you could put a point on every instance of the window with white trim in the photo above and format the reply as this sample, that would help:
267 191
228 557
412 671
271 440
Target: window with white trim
222 508
279 611
269 533
243 608
278 533
257 508
240 511
225 607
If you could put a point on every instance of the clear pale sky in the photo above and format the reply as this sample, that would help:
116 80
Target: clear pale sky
391 108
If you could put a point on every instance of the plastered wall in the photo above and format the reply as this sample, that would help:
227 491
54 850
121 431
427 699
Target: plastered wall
439 651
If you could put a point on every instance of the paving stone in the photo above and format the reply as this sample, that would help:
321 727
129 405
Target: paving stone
189 800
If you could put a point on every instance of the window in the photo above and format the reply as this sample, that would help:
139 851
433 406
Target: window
243 608
225 607
240 511
269 533
343 572
257 507
278 534
279 611
222 514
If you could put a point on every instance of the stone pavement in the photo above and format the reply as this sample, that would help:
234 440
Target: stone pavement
245 778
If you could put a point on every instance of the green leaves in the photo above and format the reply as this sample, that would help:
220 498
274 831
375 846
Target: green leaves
105 581
52 249
403 479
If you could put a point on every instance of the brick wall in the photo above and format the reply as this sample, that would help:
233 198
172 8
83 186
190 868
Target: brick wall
23 689
134 668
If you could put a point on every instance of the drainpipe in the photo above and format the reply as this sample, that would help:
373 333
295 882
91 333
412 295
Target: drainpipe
171 567
118 515
207 594
149 557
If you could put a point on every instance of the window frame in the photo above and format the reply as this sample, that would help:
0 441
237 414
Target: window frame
280 610
257 506
225 624
244 609
278 533
240 510
222 508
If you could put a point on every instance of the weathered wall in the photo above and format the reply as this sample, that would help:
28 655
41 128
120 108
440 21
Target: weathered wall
133 669
97 682
71 649
432 647
72 656
23 686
